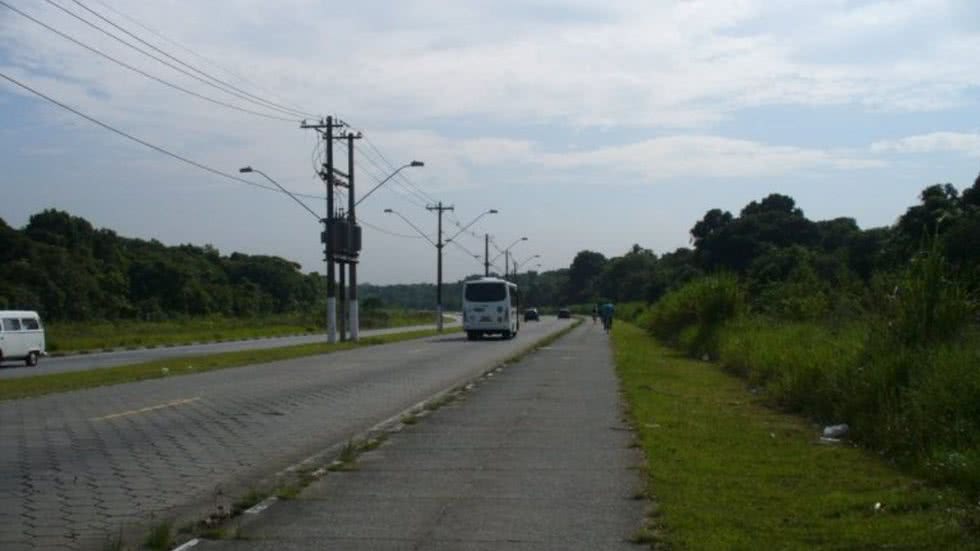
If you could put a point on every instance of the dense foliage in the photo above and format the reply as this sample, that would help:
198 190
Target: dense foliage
62 266
873 328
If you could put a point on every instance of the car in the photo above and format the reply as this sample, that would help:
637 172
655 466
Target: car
531 314
564 314
21 337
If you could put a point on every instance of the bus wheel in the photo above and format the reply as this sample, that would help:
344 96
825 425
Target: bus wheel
472 335
506 335
31 360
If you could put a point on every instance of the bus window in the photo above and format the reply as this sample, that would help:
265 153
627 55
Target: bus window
486 292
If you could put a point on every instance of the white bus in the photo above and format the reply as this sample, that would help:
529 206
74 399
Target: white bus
490 305
21 336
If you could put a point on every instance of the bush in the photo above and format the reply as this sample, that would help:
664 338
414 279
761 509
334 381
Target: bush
704 305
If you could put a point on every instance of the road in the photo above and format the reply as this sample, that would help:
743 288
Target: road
76 468
518 464
82 362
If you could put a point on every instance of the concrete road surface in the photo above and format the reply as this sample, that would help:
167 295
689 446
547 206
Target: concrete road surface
77 467
81 362
535 458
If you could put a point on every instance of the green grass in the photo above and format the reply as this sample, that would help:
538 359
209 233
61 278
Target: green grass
160 536
102 335
728 472
39 385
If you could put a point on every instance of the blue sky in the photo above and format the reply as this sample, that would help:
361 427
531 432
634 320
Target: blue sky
586 125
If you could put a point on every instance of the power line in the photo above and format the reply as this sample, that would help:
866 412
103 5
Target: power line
268 104
139 71
168 64
173 42
422 201
360 220
146 143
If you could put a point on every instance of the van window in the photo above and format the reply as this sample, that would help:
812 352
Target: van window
30 324
486 292
11 324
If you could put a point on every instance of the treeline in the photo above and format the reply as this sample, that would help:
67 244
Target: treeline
62 266
831 263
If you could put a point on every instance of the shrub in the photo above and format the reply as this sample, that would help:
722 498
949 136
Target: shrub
704 304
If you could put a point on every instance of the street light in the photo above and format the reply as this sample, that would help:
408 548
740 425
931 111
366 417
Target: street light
412 164
248 169
518 265
506 253
438 244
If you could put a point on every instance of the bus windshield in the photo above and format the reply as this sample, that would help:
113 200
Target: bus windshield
486 292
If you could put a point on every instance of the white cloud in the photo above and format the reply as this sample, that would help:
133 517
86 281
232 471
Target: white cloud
958 142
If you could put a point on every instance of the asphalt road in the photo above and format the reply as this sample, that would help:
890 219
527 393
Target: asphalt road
520 463
81 362
78 467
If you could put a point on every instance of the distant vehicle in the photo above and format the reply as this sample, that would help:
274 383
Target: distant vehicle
564 314
21 337
531 314
490 306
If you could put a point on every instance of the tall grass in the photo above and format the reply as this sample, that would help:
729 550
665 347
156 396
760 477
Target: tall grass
906 378
693 315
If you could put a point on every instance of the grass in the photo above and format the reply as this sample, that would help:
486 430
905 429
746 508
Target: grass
160 536
728 472
29 387
106 335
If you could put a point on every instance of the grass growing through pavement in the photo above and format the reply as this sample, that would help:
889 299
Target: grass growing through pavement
39 385
729 473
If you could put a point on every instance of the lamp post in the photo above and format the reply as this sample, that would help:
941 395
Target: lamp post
412 164
506 253
353 310
525 261
439 244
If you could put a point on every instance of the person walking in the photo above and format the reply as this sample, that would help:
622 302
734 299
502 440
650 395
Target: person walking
606 311
595 313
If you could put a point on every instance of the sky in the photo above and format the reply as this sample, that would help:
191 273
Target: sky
587 125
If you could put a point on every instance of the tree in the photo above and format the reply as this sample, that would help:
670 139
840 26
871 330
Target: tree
582 275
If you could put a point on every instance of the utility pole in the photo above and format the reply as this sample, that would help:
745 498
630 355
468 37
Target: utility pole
330 230
506 264
439 244
352 292
486 255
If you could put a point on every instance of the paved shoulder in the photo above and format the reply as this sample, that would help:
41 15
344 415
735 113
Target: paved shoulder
536 457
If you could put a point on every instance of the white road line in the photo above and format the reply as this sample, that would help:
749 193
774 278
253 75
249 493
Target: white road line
261 506
187 545
169 404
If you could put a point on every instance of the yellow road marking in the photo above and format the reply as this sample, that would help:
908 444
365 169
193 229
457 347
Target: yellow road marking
169 404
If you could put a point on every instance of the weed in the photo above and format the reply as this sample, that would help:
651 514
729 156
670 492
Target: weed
160 536
249 500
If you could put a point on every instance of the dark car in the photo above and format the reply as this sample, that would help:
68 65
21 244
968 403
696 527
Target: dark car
531 314
564 314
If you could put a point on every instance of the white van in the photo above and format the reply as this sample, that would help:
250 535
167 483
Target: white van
21 336
490 305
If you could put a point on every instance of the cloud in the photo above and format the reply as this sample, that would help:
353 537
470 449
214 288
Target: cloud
957 142
707 156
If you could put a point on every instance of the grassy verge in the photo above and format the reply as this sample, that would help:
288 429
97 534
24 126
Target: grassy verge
63 382
102 335
727 472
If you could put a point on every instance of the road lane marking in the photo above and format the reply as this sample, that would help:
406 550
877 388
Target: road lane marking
261 506
170 404
187 545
